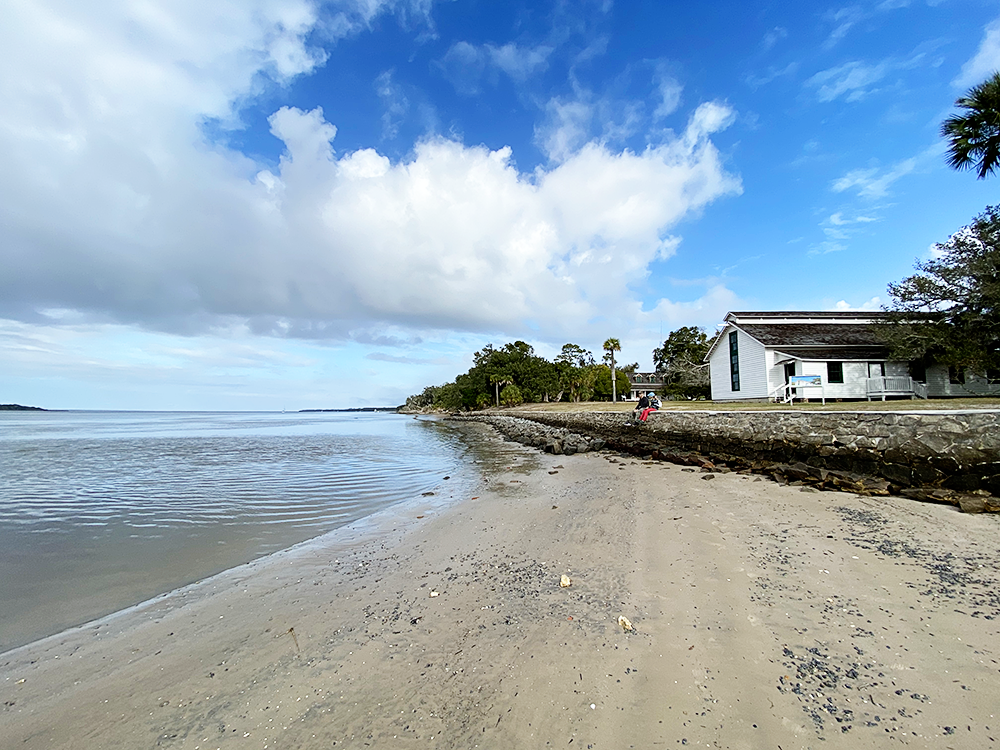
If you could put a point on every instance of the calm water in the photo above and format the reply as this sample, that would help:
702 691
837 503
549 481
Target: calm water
101 510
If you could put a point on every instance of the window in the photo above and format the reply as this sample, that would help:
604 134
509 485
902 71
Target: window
993 376
956 375
734 360
834 372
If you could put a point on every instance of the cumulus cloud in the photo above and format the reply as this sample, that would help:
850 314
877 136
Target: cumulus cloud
457 237
985 62
113 206
875 303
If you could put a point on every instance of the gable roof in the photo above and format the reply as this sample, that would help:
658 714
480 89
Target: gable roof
827 335
812 334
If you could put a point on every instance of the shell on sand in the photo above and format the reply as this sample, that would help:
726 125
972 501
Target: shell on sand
624 622
565 582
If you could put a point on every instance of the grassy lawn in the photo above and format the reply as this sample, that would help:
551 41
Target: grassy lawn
992 404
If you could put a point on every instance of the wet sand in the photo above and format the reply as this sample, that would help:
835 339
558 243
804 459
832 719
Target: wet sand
764 617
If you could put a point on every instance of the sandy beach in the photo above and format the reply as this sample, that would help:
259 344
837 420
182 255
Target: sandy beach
763 616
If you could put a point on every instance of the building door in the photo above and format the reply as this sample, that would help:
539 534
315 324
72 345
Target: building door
789 371
876 369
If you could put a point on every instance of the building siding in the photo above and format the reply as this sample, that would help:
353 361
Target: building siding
753 370
939 386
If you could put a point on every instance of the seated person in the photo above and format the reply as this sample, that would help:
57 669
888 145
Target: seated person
652 404
639 408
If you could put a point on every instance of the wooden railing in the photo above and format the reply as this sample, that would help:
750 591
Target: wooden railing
783 394
894 385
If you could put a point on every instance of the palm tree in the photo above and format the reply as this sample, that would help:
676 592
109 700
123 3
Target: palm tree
498 379
611 346
974 137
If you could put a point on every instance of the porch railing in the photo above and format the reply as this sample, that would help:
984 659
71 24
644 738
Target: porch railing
783 394
894 385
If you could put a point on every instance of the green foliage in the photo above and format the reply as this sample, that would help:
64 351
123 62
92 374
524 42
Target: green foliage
602 383
680 362
575 355
974 136
949 312
496 369
511 396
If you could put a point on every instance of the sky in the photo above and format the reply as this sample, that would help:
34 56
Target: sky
293 204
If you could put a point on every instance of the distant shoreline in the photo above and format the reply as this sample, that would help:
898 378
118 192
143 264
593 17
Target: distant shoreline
357 408
18 407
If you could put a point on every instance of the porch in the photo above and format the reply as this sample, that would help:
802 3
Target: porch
894 385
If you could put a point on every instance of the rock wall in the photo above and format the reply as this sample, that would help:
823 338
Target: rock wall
944 456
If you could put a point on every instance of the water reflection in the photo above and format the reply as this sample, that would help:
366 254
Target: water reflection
102 510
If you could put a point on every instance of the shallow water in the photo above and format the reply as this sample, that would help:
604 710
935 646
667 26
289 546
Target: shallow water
101 510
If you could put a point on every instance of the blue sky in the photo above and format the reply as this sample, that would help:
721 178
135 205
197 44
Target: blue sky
266 204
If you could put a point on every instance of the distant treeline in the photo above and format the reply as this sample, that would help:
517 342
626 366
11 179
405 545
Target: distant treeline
513 374
18 407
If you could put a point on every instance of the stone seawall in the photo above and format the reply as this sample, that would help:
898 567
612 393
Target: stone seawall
951 457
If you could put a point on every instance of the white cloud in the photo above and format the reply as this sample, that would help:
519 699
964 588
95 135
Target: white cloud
856 80
394 102
853 80
875 303
756 81
115 207
843 20
466 65
985 62
772 37
669 90
566 129
520 63
873 183
838 230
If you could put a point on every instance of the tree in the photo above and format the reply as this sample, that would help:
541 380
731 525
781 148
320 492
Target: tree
511 396
949 312
498 379
611 346
681 363
575 355
974 137
604 387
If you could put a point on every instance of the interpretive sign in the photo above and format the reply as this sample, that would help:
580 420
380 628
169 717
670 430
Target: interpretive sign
803 380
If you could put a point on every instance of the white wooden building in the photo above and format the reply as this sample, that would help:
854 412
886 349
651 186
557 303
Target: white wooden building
643 382
761 356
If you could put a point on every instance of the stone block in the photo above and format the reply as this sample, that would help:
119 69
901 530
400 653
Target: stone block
897 473
979 502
